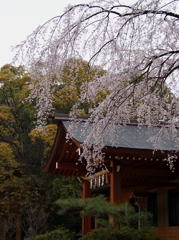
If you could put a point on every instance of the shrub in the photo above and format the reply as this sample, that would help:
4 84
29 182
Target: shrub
58 234
114 233
102 210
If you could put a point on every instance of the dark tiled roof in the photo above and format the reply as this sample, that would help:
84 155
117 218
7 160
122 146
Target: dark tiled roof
128 136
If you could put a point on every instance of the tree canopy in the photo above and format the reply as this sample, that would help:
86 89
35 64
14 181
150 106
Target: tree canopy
24 188
126 40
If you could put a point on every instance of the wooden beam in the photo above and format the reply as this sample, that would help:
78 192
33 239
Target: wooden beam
132 188
58 138
69 165
149 172
149 184
78 144
132 152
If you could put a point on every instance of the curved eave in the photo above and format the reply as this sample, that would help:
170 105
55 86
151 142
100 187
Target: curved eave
138 166
63 159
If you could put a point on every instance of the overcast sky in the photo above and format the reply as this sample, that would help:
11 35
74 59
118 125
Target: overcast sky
18 18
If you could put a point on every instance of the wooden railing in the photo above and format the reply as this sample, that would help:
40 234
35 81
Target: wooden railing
168 233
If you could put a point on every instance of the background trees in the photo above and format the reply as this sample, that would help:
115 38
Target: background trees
16 117
76 75
25 190
15 123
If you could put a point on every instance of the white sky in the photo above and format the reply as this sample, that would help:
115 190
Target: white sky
18 18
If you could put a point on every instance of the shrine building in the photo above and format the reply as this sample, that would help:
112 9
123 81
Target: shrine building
133 171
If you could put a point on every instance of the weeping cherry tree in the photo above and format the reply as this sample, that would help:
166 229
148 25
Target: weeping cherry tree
137 46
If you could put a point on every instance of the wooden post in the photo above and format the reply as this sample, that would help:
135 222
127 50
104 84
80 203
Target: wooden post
86 221
18 231
115 185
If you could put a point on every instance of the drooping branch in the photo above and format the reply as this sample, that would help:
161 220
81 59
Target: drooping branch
137 46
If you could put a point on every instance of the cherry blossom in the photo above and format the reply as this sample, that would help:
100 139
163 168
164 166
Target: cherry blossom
138 47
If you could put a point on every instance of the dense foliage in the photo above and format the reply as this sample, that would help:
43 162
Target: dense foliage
124 215
58 234
116 233
25 190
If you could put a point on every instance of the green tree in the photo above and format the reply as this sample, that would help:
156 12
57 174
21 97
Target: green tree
98 207
18 157
11 184
23 150
46 134
15 122
60 233
115 233
45 190
16 116
73 80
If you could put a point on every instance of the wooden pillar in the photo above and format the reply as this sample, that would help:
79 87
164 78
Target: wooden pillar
18 231
115 183
163 218
86 221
